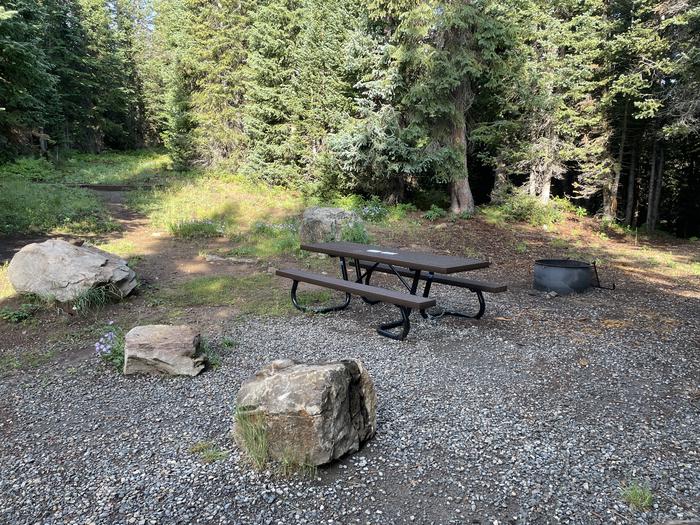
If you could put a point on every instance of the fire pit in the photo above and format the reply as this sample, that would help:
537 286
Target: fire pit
563 276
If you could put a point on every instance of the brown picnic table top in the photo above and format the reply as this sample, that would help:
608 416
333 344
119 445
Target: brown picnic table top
413 260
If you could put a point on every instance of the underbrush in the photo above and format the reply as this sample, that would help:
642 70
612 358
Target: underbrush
265 239
516 206
372 209
133 167
217 204
27 207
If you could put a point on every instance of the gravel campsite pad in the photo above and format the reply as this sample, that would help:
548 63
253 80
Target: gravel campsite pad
540 413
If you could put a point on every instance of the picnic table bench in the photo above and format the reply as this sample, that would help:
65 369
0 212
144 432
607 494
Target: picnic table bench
417 266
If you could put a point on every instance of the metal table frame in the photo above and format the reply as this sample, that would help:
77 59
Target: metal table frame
412 287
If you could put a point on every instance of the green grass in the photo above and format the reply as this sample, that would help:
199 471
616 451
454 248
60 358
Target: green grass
637 496
23 313
95 299
120 247
27 207
254 295
252 434
196 229
208 451
134 167
435 213
234 204
26 360
264 240
355 232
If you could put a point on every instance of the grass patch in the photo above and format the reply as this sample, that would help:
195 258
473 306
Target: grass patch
231 202
6 289
28 207
252 436
25 360
520 207
134 167
637 496
21 314
289 465
254 294
95 299
434 213
208 451
355 232
265 240
211 356
196 229
121 247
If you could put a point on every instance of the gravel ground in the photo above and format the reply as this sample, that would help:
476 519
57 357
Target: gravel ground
538 413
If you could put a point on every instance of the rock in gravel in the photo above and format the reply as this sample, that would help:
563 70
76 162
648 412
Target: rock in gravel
325 224
312 413
162 349
64 271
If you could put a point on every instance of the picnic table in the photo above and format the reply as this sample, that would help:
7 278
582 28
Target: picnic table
409 267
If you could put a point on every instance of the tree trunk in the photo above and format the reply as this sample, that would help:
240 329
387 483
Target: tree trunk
500 185
546 188
610 200
460 192
657 190
652 187
631 183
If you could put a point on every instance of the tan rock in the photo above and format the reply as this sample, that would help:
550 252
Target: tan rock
64 271
325 224
162 349
312 413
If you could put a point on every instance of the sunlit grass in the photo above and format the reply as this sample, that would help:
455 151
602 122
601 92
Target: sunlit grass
134 167
255 294
123 248
230 202
6 289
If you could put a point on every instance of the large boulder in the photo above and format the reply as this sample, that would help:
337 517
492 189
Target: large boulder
310 413
325 224
162 349
64 271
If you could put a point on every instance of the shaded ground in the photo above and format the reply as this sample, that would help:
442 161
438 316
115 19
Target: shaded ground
538 413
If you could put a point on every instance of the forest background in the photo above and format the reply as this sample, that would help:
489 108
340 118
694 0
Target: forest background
450 103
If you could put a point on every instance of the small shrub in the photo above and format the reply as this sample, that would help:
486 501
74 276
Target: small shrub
520 207
227 342
196 229
637 496
521 247
208 451
434 213
355 232
400 211
110 346
211 356
94 299
29 169
23 313
566 206
374 210
251 430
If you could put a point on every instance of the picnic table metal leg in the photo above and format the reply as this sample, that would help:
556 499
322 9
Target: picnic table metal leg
404 322
323 310
366 276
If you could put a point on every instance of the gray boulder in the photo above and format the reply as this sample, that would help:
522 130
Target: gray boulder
325 224
162 349
62 270
310 413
